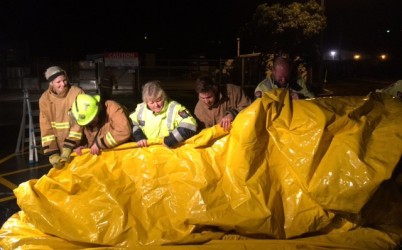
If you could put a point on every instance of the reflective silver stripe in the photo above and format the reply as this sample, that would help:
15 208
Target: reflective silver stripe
141 112
170 114
188 125
135 127
177 135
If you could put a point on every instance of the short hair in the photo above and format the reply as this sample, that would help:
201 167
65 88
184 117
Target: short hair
205 84
153 91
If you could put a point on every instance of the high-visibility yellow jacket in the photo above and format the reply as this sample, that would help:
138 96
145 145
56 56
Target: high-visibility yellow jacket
57 129
394 89
299 87
113 128
174 123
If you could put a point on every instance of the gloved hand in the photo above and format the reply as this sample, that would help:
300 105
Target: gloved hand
55 160
65 154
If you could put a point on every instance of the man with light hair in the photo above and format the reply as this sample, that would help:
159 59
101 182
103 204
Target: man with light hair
281 77
59 135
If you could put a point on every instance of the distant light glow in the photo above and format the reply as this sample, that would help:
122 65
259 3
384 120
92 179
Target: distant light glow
333 54
145 37
356 57
383 57
388 31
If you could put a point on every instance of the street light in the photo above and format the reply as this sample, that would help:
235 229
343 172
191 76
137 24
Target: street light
333 54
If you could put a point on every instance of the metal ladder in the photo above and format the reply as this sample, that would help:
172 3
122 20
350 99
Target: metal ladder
30 127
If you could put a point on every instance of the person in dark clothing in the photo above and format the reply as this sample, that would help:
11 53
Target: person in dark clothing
106 84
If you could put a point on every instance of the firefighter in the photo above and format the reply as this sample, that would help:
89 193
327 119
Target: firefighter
281 77
159 117
394 89
218 104
58 134
105 123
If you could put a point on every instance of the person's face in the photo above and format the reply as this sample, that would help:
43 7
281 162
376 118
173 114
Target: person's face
59 84
94 121
281 75
156 105
208 98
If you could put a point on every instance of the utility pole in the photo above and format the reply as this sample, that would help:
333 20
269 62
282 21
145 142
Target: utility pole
238 46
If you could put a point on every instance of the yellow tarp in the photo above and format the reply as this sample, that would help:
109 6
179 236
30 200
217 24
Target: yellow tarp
304 174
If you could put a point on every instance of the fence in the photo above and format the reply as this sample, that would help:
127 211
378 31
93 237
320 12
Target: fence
83 73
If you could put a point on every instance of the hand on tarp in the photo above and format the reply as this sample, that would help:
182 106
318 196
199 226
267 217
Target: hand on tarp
150 142
65 155
56 161
226 122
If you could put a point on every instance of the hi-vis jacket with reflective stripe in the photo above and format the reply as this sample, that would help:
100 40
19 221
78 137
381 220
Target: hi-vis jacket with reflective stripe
299 87
56 127
114 128
174 123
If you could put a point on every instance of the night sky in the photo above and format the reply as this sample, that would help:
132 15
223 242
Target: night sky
363 24
73 29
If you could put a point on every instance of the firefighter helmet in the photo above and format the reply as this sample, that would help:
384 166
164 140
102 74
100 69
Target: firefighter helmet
85 108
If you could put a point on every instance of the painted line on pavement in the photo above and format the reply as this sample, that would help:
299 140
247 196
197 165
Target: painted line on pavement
7 198
6 158
25 170
7 183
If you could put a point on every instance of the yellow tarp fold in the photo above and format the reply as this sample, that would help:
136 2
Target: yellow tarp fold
287 170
